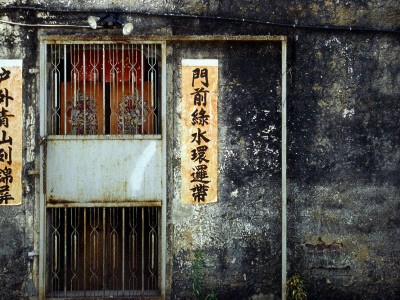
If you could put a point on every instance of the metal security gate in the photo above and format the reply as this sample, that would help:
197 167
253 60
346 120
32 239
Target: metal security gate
103 252
102 227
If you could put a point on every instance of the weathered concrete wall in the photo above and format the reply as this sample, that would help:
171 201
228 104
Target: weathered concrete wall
343 173
17 222
343 147
240 235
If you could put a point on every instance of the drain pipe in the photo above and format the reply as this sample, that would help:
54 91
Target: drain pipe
284 254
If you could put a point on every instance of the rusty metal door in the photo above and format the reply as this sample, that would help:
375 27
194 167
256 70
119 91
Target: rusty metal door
103 170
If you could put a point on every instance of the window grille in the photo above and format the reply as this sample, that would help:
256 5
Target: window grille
99 89
103 252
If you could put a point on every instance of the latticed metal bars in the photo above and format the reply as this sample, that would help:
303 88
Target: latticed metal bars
101 249
103 252
104 89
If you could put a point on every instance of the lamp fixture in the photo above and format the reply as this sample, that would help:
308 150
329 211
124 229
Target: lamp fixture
110 20
127 28
93 21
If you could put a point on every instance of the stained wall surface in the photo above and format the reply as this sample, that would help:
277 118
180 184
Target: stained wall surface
343 144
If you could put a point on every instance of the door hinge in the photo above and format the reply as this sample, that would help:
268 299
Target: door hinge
34 70
33 253
43 139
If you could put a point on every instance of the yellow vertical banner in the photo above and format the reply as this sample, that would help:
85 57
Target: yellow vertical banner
199 134
10 132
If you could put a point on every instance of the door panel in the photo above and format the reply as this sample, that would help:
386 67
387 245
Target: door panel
102 191
103 170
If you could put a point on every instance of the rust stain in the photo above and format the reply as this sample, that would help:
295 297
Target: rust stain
52 200
321 246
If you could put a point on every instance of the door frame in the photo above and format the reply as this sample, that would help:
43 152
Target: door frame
44 42
164 39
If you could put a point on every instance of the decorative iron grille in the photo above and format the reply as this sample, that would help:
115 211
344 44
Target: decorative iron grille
104 89
103 252
98 250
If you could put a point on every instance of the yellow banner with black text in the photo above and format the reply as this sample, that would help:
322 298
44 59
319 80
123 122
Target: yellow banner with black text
199 135
10 131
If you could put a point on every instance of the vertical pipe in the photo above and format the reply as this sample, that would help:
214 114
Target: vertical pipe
284 255
164 167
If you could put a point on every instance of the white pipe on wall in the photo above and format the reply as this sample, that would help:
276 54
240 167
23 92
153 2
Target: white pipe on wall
284 267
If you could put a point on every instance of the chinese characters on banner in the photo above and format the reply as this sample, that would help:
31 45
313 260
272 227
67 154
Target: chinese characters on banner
199 139
10 131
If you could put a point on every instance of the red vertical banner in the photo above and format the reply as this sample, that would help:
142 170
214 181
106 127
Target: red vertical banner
10 132
199 134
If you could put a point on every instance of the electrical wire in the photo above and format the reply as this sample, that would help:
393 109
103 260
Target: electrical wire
42 25
229 19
